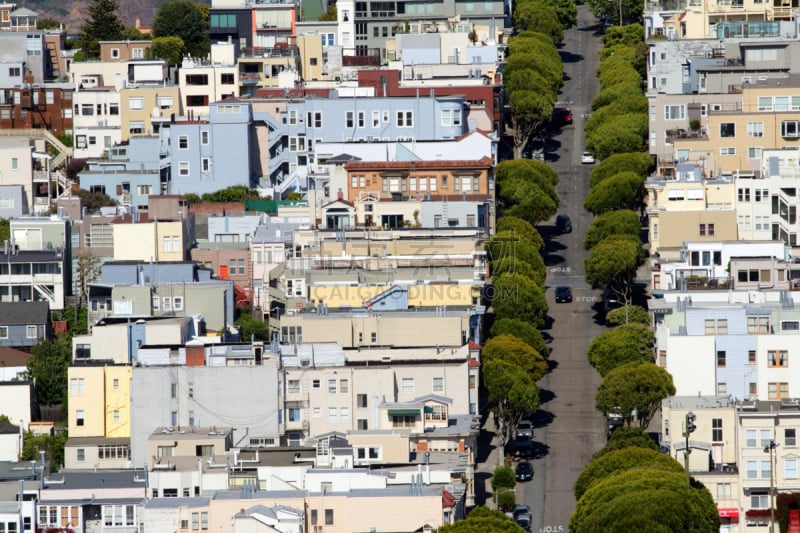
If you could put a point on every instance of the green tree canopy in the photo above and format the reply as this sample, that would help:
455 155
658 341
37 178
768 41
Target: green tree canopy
638 387
628 343
566 10
170 48
616 73
522 330
331 15
514 265
643 499
103 24
515 296
512 393
183 18
510 247
620 222
634 314
521 228
526 190
619 461
616 93
254 328
503 478
93 201
637 162
5 229
483 520
627 437
53 446
629 105
539 17
48 368
624 133
628 35
48 24
621 191
613 263
514 350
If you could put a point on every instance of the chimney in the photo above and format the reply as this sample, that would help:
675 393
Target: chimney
340 195
195 354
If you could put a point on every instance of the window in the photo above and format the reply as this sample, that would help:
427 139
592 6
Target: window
674 112
706 230
790 468
753 388
343 386
144 190
116 415
721 358
765 469
758 325
294 414
716 429
328 517
407 385
331 386
333 415
177 303
727 129
777 390
723 491
76 386
166 303
362 424
82 351
349 119
752 469
790 325
197 79
754 152
205 164
113 109
31 332
778 358
81 454
755 129
136 104
183 142
183 168
116 384
750 438
744 195
765 436
227 79
790 129
204 137
438 384
759 500
315 384
79 417
405 119
730 150
361 401
344 414
314 518
722 389
790 437
164 102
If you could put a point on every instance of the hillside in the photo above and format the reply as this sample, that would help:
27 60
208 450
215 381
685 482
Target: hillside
73 12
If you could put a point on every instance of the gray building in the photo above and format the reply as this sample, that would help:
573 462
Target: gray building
467 212
21 50
22 324
230 228
131 173
230 148
13 201
243 397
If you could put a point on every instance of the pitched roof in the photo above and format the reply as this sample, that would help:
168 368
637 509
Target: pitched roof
8 429
12 357
18 313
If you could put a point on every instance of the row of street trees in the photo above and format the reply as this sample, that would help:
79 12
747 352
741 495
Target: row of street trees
631 486
179 29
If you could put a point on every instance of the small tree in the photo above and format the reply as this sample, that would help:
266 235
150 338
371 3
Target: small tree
514 350
613 264
512 393
48 368
103 24
634 314
170 48
628 343
619 222
522 330
515 296
183 19
503 478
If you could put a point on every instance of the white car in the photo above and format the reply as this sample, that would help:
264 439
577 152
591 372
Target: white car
587 158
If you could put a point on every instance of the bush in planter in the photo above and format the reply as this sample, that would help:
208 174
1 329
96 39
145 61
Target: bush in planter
506 500
694 124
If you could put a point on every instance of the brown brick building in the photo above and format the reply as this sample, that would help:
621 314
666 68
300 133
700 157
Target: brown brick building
32 107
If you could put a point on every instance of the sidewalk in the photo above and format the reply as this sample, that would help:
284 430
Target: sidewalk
485 468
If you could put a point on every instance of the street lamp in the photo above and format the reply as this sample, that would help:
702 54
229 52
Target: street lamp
620 11
688 429
770 448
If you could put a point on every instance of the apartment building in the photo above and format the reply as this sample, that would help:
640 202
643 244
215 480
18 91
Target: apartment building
123 50
97 122
203 82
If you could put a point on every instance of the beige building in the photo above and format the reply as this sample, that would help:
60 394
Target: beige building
144 107
123 50
689 208
166 444
329 390
155 240
204 81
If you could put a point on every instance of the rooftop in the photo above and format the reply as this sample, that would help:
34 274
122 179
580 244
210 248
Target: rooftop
189 433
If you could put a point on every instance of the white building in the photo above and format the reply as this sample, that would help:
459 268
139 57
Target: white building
203 82
96 121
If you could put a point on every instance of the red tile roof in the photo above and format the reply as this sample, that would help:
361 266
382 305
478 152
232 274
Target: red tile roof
474 363
448 500
13 357
474 345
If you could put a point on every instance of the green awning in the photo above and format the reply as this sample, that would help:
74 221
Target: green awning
393 412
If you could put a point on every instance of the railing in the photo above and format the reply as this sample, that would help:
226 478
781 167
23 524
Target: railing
681 134
276 51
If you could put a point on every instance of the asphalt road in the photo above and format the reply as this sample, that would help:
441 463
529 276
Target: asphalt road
568 426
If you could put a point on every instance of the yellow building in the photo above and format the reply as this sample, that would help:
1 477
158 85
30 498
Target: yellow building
151 241
99 401
142 106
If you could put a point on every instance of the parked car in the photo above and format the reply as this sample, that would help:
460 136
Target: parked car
563 224
563 294
522 448
587 158
525 430
524 471
522 512
524 524
562 115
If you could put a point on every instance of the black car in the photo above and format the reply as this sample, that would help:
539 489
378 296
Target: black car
524 471
563 224
520 448
524 523
563 294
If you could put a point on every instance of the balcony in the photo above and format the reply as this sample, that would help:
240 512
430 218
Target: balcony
288 50
297 425
682 134
250 78
371 57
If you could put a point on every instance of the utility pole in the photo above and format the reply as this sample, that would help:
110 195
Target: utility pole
770 448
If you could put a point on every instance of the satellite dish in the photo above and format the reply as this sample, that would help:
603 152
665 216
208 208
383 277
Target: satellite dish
155 113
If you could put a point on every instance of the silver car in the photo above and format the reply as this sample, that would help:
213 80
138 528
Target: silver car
525 430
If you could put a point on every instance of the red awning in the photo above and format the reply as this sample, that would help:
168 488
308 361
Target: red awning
728 513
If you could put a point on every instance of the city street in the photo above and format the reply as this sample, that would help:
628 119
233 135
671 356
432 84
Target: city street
568 425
